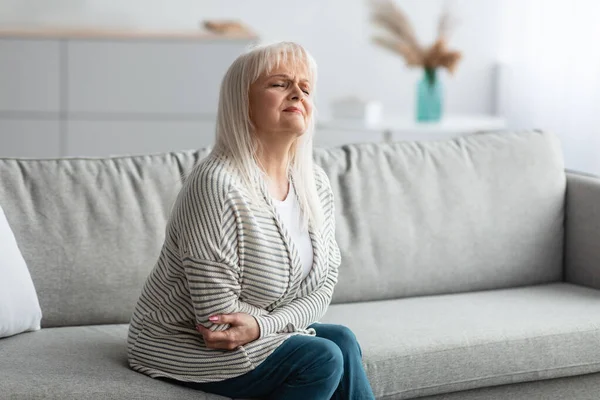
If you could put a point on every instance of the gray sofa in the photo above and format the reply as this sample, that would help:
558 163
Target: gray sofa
471 268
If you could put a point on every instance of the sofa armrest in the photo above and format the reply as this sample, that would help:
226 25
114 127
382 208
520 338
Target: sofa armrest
582 229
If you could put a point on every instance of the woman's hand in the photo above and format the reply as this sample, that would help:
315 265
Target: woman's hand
243 329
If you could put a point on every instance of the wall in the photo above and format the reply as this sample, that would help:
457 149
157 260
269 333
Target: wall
337 32
551 51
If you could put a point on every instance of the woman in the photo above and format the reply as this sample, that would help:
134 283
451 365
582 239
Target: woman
250 261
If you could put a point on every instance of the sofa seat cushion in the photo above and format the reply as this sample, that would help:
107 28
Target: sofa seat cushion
438 344
74 363
412 347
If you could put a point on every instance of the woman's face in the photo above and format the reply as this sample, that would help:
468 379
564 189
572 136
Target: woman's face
281 104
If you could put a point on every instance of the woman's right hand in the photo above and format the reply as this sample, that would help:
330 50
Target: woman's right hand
243 329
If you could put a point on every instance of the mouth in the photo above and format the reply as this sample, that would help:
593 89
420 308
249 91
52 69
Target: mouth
293 109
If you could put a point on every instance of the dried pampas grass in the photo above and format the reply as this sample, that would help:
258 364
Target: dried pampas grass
401 38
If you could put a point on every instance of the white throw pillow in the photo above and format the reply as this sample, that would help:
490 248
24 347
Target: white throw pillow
19 306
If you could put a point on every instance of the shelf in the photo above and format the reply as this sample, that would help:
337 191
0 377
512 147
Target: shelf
105 33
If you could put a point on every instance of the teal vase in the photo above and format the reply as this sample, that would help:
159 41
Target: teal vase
429 97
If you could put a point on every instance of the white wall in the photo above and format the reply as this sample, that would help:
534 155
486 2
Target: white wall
551 50
337 32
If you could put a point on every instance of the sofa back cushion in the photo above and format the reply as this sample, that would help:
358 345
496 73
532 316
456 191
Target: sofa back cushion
473 213
90 229
417 218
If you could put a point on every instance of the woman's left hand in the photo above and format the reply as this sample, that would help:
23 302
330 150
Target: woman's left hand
243 329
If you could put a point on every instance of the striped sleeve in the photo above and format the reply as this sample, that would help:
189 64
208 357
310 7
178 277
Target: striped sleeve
303 311
208 239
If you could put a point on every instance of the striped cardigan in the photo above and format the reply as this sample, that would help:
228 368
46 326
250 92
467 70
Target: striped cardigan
222 254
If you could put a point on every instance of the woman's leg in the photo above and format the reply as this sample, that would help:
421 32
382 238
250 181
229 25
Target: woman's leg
302 367
354 383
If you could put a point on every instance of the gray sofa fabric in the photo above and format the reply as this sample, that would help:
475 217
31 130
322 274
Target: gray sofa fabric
429 345
412 347
452 257
478 212
582 241
75 363
91 229
580 387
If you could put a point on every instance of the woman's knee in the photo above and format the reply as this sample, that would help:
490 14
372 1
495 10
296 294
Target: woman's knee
328 357
346 334
343 337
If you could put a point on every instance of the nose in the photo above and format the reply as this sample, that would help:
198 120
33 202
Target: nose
296 93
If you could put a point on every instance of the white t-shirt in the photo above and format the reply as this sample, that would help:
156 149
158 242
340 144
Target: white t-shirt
289 211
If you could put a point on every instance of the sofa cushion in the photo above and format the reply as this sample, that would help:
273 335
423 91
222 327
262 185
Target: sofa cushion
579 387
74 363
19 306
90 229
472 213
428 345
411 347
478 212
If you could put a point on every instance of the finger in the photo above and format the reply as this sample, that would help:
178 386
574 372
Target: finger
224 318
214 318
226 345
204 326
216 336
219 340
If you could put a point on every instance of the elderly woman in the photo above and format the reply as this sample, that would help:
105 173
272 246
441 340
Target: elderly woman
250 261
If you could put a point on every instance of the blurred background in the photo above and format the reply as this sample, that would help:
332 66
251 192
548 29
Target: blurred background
108 77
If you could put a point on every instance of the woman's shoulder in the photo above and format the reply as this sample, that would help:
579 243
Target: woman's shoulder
212 173
210 180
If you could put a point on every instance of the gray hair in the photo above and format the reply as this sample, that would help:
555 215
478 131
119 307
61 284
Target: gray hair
234 128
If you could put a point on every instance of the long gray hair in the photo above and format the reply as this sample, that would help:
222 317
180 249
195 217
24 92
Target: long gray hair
234 133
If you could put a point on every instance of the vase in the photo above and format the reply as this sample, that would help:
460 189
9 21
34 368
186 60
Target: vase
429 97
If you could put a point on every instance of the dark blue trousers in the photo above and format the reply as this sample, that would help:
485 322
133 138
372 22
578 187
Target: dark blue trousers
328 366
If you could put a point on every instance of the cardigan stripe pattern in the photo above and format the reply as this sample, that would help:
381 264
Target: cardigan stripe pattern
223 254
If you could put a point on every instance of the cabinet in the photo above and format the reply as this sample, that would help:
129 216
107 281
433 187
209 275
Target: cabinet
107 93
333 132
30 138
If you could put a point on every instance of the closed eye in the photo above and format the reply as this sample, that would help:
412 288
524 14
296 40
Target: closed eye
283 85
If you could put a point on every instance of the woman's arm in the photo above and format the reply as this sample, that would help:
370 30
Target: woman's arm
214 288
303 311
300 312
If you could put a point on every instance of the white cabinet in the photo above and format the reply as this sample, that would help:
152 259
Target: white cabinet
105 138
29 76
143 77
110 93
332 137
336 132
30 138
